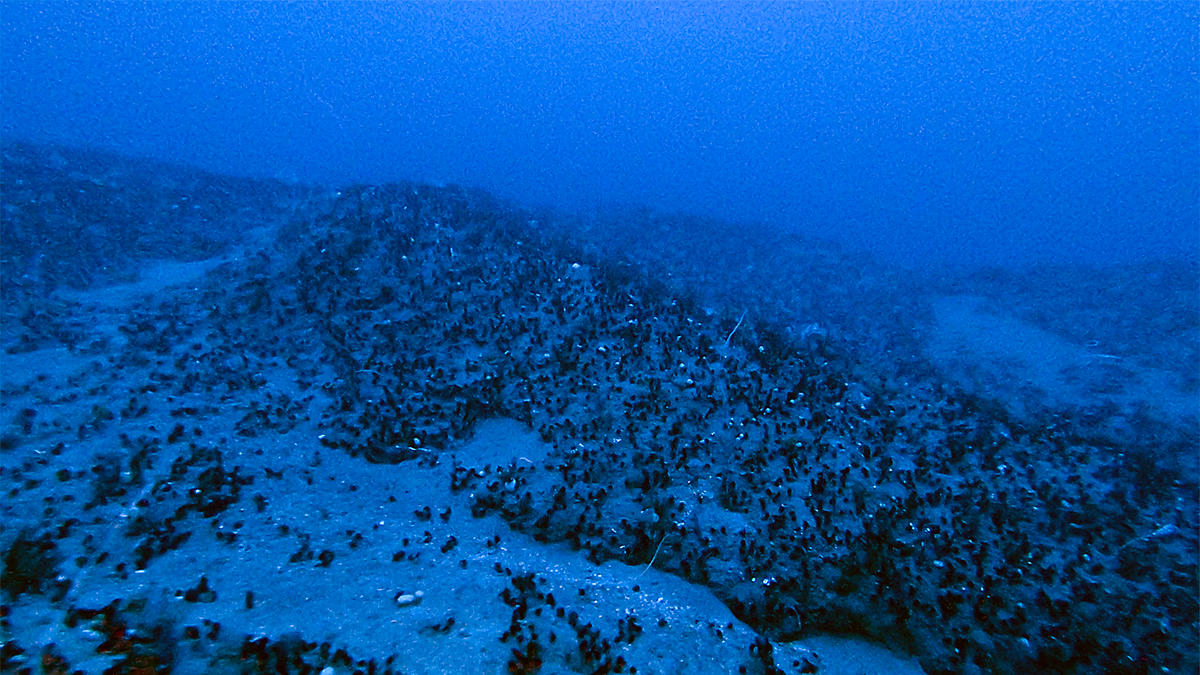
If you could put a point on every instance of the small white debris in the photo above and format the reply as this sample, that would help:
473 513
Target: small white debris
1164 531
409 599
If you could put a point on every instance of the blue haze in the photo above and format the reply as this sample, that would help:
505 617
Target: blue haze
926 133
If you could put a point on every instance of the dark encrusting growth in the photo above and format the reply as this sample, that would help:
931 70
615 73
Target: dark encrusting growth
808 500
809 485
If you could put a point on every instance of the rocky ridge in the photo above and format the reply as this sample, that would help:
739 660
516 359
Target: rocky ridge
807 489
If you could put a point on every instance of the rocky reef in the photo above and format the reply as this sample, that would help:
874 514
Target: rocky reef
793 456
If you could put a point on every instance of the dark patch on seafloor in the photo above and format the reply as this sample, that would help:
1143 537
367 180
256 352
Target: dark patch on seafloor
766 427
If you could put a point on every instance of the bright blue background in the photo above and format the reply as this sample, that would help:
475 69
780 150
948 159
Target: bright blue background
924 132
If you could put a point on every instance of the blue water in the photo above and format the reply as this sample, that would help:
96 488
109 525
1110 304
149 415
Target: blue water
926 134
967 431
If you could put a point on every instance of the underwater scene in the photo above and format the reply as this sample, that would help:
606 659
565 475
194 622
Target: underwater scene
599 338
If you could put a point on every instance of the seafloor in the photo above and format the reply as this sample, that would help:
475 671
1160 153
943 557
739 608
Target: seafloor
249 426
